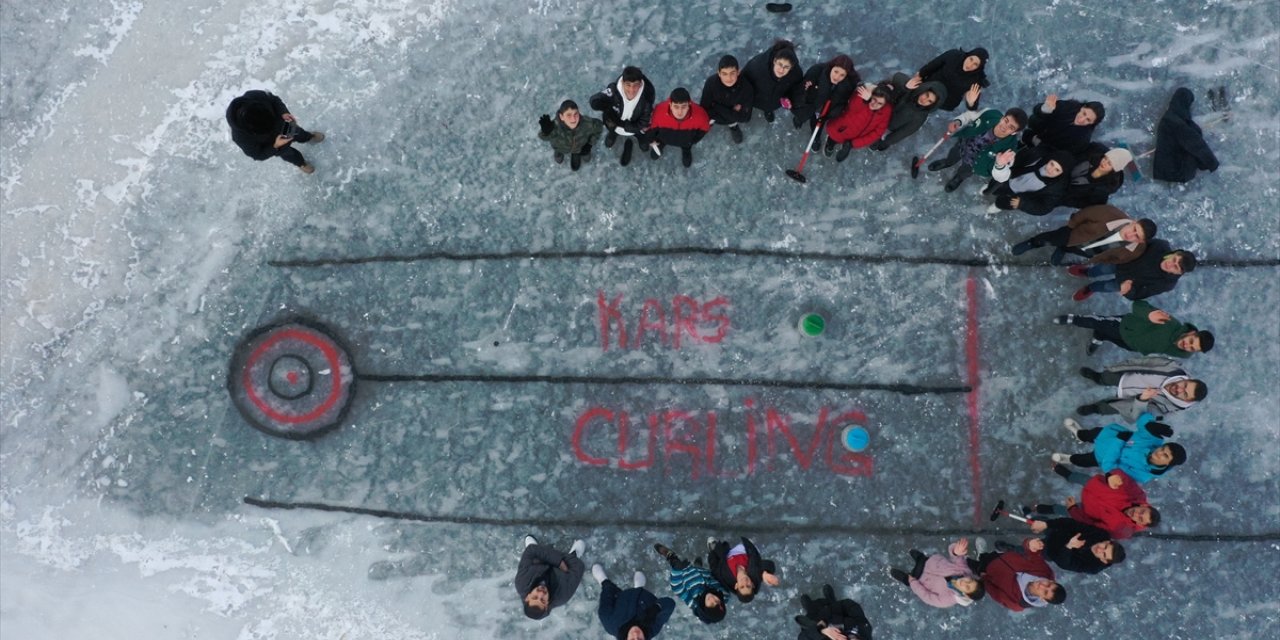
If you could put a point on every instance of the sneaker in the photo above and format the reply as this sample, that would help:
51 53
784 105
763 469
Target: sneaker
768 116
1057 257
916 555
1024 510
530 540
1090 374
899 575
980 545
1078 270
316 137
829 148
937 165
686 156
662 550
736 134
627 148
638 580
558 157
610 139
1061 458
655 152
1071 425
308 168
1082 294
844 152
1022 247
575 162
1067 319
953 184
1087 410
578 547
1062 471
1004 547
993 209
711 543
1092 347
598 573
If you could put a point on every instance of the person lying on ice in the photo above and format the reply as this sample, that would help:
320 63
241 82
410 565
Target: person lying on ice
1151 384
695 586
1020 579
740 568
547 578
942 580
1146 330
1142 454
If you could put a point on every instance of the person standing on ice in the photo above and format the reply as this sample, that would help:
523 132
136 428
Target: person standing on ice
829 83
1037 181
1180 146
626 106
862 123
1151 384
1146 330
633 614
727 97
828 618
959 72
1065 125
1103 234
911 107
1020 579
547 578
1156 271
740 568
678 122
263 128
943 580
1094 178
1142 454
775 76
1111 501
572 133
985 142
1076 546
695 586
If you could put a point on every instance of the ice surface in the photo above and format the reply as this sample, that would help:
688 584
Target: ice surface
139 245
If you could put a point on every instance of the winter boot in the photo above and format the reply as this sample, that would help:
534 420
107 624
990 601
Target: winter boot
308 168
530 540
954 183
1078 270
1022 247
735 133
768 116
844 152
899 575
829 148
627 148
1092 347
1090 374
316 136
610 139
686 156
1082 294
575 161
1087 410
558 157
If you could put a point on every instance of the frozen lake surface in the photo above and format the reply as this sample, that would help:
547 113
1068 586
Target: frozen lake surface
484 293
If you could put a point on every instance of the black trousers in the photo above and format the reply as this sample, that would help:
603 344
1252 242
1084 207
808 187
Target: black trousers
291 155
1104 328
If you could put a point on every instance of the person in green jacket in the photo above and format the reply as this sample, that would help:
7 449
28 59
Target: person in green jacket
986 142
1146 330
572 133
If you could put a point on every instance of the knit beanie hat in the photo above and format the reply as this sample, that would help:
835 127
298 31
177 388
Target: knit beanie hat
1179 454
1063 158
1098 110
727 62
1148 228
1120 158
680 94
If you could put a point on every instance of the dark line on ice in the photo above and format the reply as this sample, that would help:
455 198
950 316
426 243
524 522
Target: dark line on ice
717 524
817 256
905 389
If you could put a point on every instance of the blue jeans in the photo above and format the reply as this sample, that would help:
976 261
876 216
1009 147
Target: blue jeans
1110 285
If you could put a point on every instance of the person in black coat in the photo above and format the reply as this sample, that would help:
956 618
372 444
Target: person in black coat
831 82
633 614
1095 178
775 76
626 106
911 107
262 127
740 568
1037 181
1180 146
727 97
1154 272
547 578
958 71
827 614
1077 546
1067 125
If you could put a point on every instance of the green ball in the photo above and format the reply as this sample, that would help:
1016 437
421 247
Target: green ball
812 325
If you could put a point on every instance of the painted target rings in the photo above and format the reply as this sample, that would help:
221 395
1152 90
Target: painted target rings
292 380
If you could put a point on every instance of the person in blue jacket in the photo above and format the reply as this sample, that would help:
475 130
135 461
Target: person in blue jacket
634 614
1143 454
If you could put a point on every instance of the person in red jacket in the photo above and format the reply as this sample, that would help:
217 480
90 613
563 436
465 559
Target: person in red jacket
1020 579
866 119
1113 502
677 122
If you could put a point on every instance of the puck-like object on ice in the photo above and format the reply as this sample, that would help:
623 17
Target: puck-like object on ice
812 324
291 380
855 438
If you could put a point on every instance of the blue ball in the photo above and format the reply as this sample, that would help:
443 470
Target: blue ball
855 438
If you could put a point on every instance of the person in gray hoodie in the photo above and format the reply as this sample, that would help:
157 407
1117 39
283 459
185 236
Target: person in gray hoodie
1152 384
546 577
911 107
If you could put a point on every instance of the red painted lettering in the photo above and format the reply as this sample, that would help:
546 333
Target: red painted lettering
609 314
648 323
721 319
680 433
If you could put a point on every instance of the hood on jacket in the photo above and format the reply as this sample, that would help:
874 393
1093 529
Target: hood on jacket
1180 103
936 87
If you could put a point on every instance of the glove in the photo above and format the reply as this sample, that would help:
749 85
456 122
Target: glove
586 151
879 145
1160 429
545 123
786 103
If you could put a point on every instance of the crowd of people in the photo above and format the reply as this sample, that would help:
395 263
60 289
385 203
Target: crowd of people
1034 163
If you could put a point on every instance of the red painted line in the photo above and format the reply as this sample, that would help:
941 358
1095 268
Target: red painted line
971 399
